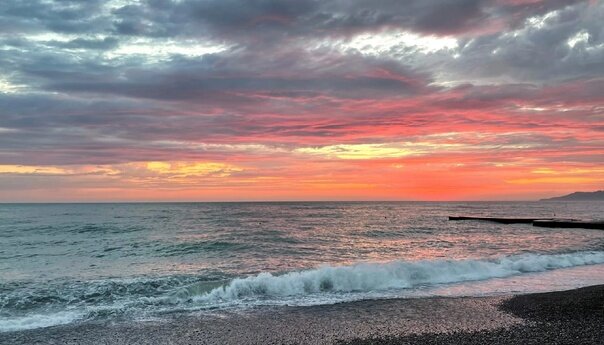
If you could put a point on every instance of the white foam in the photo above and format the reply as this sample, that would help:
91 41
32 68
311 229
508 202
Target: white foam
369 277
38 321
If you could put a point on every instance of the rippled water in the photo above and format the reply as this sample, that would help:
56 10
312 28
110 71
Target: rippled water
67 262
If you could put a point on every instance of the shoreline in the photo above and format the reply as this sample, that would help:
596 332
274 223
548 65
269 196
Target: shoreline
572 316
561 317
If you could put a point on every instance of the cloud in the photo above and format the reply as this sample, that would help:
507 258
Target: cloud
278 91
259 20
539 50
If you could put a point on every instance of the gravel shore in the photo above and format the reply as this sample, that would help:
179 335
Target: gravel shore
567 317
570 317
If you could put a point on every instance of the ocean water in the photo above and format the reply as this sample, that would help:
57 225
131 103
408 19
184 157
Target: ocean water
63 263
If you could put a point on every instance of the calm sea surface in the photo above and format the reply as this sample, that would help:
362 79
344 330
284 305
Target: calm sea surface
62 263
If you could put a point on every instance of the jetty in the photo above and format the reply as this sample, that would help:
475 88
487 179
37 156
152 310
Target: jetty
496 220
569 224
541 222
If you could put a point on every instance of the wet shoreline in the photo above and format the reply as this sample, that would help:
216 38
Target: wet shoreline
558 317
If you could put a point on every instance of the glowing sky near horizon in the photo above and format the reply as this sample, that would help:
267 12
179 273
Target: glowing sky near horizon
228 100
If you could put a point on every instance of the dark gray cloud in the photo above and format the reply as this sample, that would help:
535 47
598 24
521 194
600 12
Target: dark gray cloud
64 16
235 76
540 51
253 21
239 77
256 20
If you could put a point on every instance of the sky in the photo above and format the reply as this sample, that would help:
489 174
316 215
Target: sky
242 100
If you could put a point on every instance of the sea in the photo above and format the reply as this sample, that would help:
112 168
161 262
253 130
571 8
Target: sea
75 263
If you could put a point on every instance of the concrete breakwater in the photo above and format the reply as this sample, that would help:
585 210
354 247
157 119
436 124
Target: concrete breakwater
541 222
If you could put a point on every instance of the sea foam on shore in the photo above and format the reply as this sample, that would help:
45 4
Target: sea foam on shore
555 318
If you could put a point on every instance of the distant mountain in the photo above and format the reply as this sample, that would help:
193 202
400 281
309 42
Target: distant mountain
580 196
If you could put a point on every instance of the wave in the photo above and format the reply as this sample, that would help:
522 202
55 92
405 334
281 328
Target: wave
25 306
200 247
9 324
25 297
369 277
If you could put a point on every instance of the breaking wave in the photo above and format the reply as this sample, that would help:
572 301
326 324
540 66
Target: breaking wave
369 277
26 307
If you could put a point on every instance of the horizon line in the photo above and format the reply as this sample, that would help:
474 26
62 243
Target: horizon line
266 201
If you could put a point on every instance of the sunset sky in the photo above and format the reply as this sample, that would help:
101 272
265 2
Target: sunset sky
227 100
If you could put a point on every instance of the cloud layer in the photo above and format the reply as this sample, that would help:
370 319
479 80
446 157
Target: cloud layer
261 99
